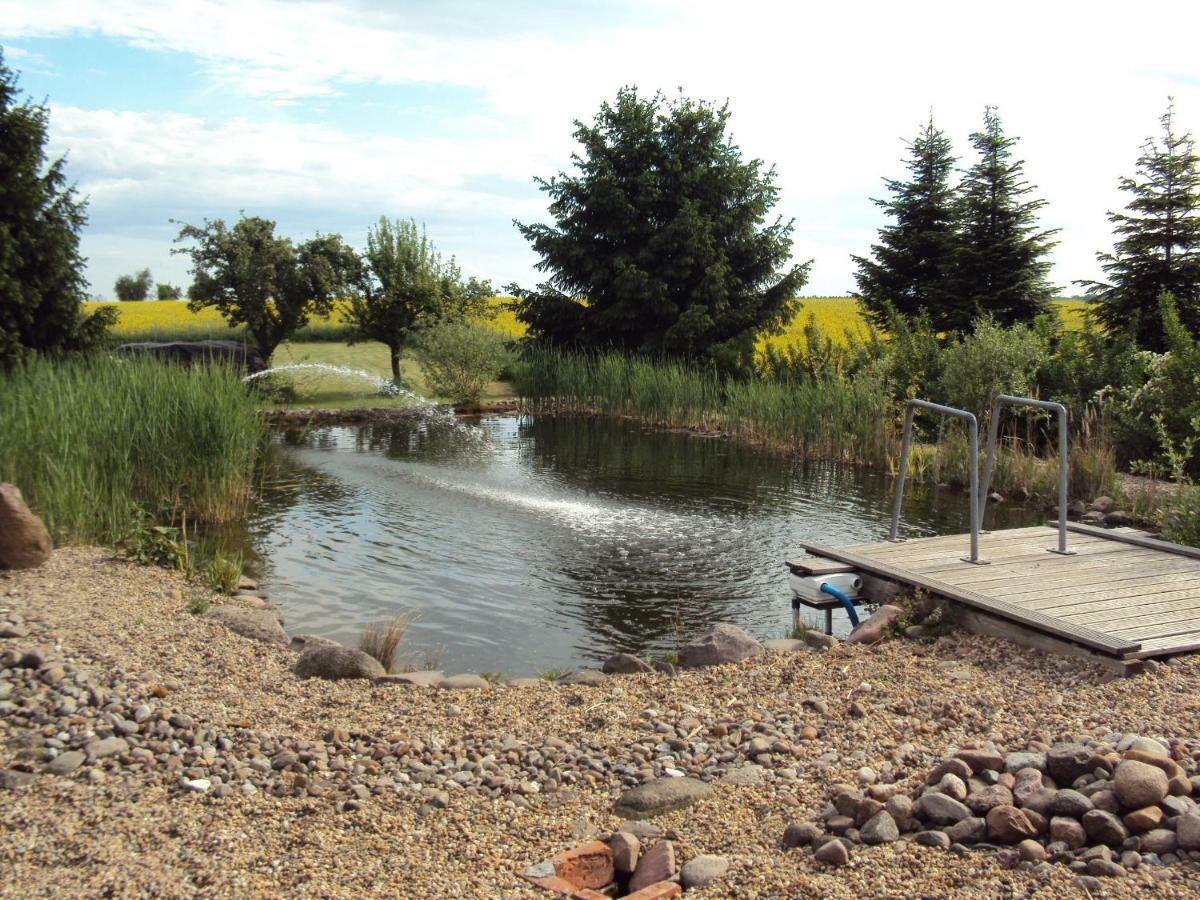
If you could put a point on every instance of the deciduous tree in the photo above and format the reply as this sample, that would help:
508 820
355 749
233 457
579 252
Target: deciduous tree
129 288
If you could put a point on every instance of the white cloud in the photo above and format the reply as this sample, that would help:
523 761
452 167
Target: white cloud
826 93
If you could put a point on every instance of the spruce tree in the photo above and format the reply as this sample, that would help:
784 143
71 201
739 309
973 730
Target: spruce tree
910 268
41 271
1000 264
1158 246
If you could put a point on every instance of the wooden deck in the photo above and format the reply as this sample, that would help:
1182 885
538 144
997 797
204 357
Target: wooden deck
1122 595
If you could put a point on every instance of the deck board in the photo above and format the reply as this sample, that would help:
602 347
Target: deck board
1122 592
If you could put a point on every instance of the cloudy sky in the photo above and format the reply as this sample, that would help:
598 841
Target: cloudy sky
326 115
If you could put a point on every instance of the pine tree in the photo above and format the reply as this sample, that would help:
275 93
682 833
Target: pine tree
41 271
661 243
1000 265
1158 246
911 266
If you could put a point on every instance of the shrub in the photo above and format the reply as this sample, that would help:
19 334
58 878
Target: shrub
129 288
1181 517
460 358
992 360
383 639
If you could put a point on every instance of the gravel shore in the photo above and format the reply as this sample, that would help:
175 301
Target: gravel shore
206 766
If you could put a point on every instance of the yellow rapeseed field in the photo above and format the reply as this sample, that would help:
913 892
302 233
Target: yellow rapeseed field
172 318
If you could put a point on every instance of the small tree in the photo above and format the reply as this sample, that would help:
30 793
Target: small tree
459 358
41 271
1158 246
133 287
407 286
659 243
910 269
1000 267
264 282
169 291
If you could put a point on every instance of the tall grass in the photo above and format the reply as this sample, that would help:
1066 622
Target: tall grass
86 439
832 418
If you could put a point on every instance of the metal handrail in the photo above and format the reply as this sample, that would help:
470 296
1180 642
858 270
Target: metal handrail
906 451
1064 463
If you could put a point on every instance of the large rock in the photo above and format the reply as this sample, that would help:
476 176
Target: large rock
874 628
1066 762
625 664
880 829
1139 784
722 643
662 795
264 625
465 682
584 677
24 540
1187 829
334 662
1104 828
657 864
941 810
1008 825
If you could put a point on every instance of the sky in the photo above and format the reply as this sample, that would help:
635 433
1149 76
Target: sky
326 115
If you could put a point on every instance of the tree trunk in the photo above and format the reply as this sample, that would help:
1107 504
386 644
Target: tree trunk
396 376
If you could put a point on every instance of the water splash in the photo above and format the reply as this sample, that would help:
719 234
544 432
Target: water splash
383 386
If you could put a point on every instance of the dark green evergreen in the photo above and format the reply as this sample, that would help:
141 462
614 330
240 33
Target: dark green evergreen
658 244
1000 265
911 268
1158 243
41 271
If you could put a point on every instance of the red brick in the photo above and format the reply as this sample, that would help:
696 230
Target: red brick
589 865
553 883
657 891
589 894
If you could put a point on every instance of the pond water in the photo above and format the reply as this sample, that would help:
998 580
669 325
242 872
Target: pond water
527 543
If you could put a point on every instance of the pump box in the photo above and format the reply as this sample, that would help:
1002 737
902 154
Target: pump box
808 587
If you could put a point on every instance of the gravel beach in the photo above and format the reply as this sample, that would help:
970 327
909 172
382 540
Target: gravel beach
194 761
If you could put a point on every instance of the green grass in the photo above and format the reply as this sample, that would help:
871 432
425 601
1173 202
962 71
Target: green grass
85 440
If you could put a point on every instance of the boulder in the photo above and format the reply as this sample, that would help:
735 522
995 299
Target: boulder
722 643
874 628
880 829
784 645
625 664
833 853
24 540
1066 762
301 642
1008 825
1139 784
941 810
585 677
464 682
335 661
662 795
1104 828
264 624
703 871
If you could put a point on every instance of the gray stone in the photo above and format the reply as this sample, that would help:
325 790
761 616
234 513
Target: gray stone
833 853
1187 829
1160 841
880 829
1066 762
1067 831
642 830
264 624
301 642
1105 868
702 871
464 682
1069 803
657 864
12 779
875 627
66 763
983 799
1139 784
934 839
971 830
626 848
941 810
721 644
1104 827
106 747
819 640
337 662
24 541
662 795
744 775
1015 762
584 677
800 834
625 664
429 678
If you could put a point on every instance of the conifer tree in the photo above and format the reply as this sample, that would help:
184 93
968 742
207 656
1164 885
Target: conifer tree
1158 246
1000 265
910 268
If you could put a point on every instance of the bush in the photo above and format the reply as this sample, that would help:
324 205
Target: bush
1181 517
130 288
991 361
460 358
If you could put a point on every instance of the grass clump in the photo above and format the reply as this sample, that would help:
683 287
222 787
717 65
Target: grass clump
552 674
223 571
383 639
87 439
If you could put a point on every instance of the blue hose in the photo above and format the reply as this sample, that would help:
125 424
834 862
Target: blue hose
846 601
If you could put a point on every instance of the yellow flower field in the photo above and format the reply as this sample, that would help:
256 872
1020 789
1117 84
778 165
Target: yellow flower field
171 319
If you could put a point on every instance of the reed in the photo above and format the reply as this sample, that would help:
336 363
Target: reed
87 439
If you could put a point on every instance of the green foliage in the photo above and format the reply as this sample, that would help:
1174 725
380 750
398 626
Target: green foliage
1158 243
169 291
265 282
460 358
41 271
151 544
223 571
818 354
198 603
910 269
129 288
1181 517
407 286
991 360
86 438
659 244
1000 265
552 674
493 677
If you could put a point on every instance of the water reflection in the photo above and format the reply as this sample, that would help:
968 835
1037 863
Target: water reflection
527 543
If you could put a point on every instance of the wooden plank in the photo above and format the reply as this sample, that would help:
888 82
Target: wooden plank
1030 553
1078 633
1029 581
1170 646
814 565
1137 540
1172 584
957 545
982 623
1098 582
1077 583
1093 615
1162 626
1119 622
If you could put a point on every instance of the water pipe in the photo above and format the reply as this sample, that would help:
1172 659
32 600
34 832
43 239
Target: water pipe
846 601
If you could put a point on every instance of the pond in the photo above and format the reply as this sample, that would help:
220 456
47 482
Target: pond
526 543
